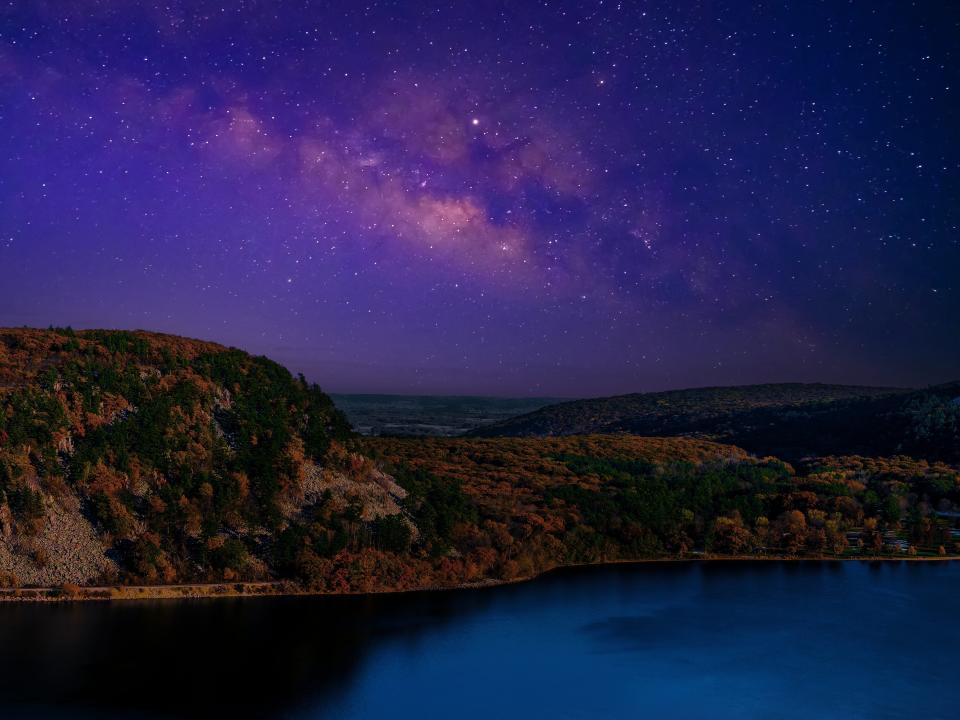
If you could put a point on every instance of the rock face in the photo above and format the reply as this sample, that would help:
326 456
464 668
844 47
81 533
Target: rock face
66 550
374 491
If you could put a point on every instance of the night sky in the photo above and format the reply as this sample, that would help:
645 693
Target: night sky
543 198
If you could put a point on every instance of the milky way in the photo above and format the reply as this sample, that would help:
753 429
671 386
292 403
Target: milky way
561 198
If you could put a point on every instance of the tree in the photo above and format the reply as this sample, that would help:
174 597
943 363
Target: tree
793 527
730 536
392 532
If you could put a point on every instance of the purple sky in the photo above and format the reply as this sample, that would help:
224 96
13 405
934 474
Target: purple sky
544 198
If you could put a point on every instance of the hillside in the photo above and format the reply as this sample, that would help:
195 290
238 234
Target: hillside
137 459
585 499
789 420
673 411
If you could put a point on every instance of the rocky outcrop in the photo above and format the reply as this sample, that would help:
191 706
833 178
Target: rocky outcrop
66 550
377 493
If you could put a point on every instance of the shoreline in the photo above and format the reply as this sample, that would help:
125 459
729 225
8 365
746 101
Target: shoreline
288 588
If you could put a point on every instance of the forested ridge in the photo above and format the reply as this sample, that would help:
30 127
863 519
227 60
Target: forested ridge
791 420
132 458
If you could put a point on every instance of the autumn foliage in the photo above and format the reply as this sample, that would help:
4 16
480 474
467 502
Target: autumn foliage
193 462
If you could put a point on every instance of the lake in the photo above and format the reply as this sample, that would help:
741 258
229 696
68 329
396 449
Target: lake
660 640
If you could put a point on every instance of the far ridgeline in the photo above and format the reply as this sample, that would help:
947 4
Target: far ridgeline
790 420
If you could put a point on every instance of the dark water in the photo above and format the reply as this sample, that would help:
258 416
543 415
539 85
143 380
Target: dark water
724 640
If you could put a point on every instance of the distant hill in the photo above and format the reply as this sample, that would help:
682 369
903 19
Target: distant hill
789 419
673 411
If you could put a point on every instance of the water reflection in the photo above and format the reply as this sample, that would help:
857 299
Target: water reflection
252 657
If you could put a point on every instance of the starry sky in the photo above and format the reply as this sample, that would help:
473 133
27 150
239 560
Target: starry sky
510 198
